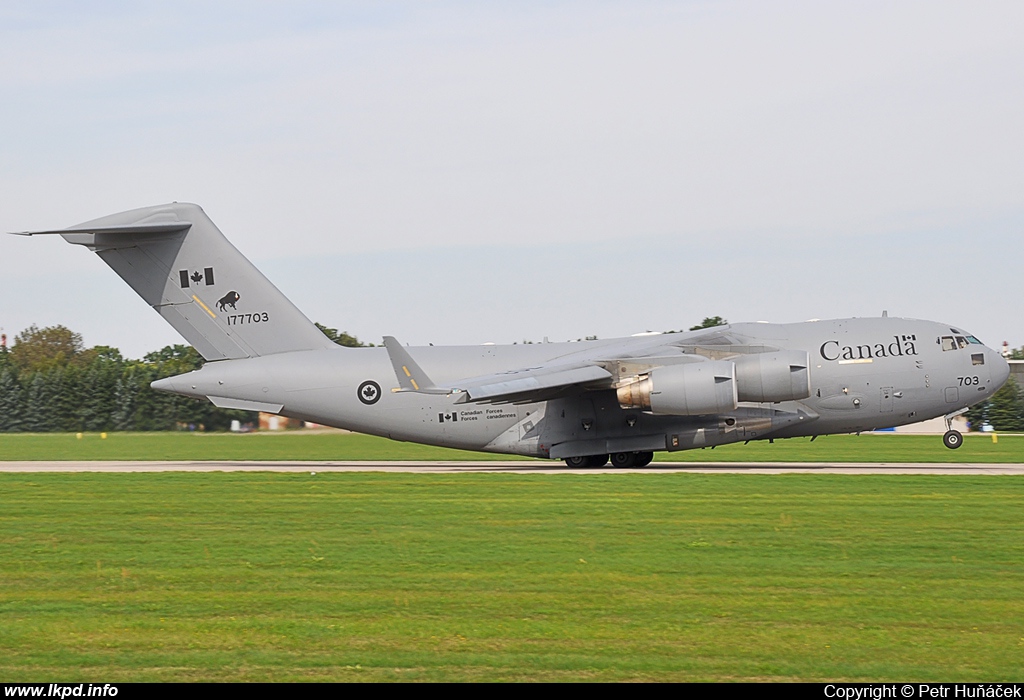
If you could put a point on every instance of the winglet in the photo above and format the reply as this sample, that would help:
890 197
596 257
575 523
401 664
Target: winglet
410 376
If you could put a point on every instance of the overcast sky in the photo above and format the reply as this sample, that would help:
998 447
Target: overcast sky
453 172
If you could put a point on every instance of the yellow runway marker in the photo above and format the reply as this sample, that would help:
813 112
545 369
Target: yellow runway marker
205 307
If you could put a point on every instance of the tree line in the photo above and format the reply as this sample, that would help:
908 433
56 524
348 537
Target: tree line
1004 411
50 382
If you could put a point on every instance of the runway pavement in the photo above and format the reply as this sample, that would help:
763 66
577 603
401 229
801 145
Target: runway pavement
515 467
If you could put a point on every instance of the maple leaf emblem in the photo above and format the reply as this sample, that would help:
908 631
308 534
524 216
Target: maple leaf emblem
196 276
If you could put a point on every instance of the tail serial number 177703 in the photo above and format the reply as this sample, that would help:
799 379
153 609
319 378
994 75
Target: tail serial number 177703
242 319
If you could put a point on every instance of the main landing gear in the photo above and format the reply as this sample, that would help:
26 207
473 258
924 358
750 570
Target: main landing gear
620 460
625 460
587 461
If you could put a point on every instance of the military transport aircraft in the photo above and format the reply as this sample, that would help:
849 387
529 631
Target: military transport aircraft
584 402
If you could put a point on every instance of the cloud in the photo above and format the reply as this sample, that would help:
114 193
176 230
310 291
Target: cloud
332 129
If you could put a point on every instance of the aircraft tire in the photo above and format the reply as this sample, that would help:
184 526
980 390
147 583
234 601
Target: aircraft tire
624 460
952 439
643 459
577 462
595 461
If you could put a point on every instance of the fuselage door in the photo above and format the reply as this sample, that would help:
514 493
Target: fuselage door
886 399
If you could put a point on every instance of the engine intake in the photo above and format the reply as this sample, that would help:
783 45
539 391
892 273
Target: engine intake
695 389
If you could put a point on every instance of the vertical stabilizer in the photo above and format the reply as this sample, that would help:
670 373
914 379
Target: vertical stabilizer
183 266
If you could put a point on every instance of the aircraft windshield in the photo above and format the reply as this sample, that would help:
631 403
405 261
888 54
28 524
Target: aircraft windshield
958 342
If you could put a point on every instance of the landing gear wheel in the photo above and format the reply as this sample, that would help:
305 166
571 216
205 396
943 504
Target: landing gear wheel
643 459
595 461
577 462
952 439
623 460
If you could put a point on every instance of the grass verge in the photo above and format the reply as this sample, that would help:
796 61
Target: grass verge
345 577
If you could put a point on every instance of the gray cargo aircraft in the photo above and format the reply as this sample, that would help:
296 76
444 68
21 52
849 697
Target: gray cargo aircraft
584 402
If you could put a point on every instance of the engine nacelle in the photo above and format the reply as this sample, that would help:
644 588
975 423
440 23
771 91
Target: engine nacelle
693 389
773 376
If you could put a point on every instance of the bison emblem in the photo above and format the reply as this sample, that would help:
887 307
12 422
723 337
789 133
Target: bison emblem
229 299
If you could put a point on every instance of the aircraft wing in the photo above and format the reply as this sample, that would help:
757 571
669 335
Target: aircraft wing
533 383
527 384
602 371
544 382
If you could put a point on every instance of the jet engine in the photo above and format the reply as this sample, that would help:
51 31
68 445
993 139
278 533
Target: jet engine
693 389
773 376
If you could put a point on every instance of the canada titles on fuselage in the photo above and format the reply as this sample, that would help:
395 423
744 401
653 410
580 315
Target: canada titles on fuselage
832 350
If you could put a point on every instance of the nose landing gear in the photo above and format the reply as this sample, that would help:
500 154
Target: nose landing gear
952 439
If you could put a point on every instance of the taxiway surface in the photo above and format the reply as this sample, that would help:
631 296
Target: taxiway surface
517 467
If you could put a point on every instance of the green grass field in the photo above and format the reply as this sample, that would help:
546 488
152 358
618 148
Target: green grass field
340 446
269 576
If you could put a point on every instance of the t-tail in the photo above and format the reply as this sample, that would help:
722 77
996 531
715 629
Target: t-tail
182 265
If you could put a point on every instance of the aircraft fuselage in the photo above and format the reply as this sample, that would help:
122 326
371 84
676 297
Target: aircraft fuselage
865 374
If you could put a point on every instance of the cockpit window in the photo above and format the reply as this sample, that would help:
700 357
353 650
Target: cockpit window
947 343
978 358
961 342
973 341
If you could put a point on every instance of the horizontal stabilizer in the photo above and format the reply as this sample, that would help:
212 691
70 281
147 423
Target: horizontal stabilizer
157 228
